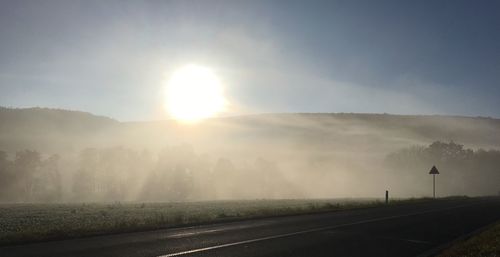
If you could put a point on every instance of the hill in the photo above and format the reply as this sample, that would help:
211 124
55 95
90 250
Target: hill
49 129
62 130
253 156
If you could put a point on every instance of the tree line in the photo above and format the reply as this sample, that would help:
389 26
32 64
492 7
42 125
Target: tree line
177 173
463 170
28 177
120 174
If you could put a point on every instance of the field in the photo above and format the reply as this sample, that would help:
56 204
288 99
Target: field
21 223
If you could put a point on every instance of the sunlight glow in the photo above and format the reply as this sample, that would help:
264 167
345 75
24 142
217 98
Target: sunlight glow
194 93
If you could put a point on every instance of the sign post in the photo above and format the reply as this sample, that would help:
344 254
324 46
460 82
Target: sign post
434 171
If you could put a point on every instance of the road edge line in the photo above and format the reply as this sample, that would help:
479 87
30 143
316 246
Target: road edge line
310 231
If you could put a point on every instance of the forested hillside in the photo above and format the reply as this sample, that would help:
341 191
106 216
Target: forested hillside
59 155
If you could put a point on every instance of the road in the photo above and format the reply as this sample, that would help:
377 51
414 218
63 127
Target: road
401 230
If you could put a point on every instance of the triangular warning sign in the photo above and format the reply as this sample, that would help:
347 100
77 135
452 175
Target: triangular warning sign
434 170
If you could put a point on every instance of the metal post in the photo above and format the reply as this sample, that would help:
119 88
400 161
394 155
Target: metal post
434 185
386 196
434 171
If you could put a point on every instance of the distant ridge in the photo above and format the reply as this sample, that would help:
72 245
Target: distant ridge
46 112
55 129
45 128
49 112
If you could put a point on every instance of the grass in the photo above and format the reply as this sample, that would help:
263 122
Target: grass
22 223
485 244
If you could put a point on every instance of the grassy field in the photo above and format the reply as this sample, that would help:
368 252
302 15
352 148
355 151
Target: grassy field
21 223
485 244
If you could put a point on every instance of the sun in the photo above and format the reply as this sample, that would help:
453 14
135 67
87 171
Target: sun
194 93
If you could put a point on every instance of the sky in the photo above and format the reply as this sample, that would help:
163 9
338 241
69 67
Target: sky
112 58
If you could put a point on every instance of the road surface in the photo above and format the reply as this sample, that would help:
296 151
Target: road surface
404 230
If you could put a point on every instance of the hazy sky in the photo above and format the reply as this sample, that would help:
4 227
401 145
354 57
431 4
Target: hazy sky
112 57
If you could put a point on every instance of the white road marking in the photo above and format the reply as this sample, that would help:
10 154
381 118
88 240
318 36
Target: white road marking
198 231
186 234
417 241
309 231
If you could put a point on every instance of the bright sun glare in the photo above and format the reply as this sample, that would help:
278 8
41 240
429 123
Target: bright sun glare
194 93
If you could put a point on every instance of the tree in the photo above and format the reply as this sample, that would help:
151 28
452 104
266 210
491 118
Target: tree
49 187
225 179
467 172
448 152
175 171
84 182
26 166
6 177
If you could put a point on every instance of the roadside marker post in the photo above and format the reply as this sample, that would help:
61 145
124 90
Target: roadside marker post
386 196
434 171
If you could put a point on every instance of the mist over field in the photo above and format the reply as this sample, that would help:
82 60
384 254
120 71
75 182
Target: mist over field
53 155
248 128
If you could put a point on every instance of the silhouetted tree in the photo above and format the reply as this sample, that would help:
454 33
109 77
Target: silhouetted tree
466 171
448 152
26 166
85 181
49 188
6 178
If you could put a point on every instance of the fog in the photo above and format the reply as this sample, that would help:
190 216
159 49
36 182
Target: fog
64 156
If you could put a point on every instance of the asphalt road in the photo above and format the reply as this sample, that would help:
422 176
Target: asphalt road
404 230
